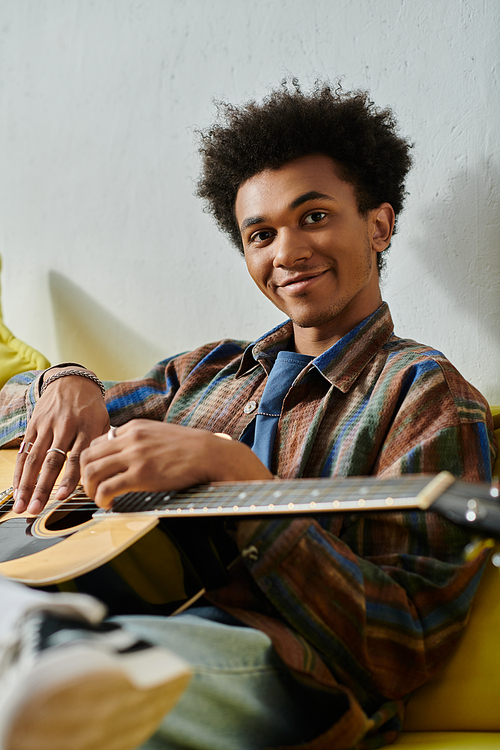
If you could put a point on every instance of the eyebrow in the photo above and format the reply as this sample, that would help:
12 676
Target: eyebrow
304 198
312 195
251 221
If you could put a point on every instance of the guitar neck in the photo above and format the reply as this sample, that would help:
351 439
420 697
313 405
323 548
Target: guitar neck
289 496
474 506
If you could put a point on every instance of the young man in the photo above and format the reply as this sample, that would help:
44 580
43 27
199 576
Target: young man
328 621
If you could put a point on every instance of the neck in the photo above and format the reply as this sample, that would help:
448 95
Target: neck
315 340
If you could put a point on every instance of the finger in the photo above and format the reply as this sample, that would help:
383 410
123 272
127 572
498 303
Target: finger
51 468
110 434
100 470
99 442
72 471
24 449
104 445
100 448
113 487
30 467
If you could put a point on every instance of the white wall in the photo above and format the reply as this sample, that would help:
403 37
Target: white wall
107 256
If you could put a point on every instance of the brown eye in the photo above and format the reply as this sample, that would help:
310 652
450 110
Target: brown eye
314 217
261 236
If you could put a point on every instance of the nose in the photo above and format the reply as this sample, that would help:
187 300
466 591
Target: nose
290 247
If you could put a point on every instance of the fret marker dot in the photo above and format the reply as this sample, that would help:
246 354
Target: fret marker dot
315 493
252 507
336 504
191 510
389 500
291 506
205 509
361 502
242 495
235 507
312 504
179 510
271 506
278 493
219 508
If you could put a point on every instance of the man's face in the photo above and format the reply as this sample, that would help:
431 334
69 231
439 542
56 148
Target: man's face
309 249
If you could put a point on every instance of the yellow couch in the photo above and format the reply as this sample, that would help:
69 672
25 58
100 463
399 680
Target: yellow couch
460 709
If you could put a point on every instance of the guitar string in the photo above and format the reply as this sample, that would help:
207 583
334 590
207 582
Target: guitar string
231 496
212 503
260 496
302 485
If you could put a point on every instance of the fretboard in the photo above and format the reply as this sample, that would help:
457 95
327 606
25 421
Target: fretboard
289 496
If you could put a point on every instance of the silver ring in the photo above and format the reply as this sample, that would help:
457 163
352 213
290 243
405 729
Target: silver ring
25 447
111 433
57 450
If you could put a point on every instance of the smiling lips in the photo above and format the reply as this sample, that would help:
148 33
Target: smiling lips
300 283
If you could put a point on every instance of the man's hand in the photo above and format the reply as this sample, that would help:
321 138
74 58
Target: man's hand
155 456
69 415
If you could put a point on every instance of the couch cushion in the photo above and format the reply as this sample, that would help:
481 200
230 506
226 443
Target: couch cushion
448 741
466 694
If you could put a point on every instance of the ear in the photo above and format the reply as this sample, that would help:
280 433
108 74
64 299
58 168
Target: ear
383 219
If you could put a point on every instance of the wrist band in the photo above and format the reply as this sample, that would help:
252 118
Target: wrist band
81 373
60 364
66 364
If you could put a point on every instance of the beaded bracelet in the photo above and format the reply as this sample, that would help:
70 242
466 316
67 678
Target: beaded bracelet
81 373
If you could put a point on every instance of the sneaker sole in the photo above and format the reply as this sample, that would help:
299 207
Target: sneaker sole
98 711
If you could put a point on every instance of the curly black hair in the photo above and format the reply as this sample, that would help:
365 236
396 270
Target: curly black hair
288 124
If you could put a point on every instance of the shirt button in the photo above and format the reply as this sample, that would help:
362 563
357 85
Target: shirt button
250 407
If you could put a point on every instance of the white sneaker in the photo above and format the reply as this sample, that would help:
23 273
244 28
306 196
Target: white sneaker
70 685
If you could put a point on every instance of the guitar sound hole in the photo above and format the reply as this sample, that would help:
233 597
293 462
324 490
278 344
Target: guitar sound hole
66 518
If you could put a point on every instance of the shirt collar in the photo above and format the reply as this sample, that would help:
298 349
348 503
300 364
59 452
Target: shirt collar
265 350
341 363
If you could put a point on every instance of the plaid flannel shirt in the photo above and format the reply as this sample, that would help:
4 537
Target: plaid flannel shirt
367 606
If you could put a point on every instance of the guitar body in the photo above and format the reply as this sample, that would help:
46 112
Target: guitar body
136 563
55 546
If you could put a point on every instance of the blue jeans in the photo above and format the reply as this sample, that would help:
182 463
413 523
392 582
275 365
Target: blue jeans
240 696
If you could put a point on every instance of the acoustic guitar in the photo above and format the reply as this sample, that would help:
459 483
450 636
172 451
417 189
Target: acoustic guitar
71 538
